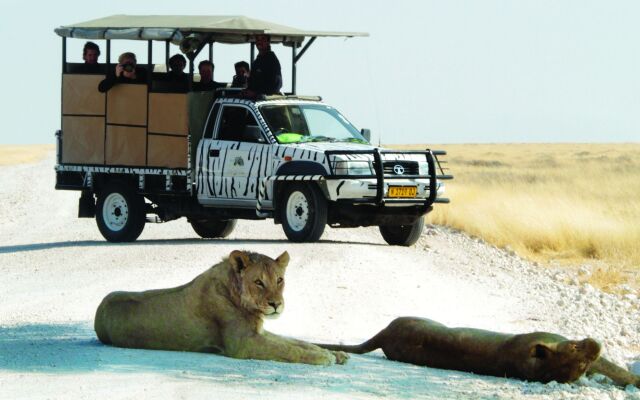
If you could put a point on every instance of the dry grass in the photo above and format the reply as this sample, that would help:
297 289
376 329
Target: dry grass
21 154
566 203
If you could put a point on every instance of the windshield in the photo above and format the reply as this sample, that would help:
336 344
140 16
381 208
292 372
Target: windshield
299 123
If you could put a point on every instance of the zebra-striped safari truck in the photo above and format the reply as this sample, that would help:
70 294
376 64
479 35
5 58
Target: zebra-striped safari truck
154 152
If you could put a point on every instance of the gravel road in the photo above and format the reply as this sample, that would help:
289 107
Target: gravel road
56 268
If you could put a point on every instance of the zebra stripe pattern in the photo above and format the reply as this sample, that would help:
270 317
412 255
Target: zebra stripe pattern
288 178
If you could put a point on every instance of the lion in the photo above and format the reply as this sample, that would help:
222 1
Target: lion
221 311
538 356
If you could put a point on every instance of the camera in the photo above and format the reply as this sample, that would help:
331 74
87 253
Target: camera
128 67
239 80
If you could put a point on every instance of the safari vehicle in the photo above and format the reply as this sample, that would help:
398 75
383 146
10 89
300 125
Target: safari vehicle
147 153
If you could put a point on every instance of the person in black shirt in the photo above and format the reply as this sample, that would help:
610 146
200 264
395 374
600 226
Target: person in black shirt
179 81
126 72
177 64
206 83
90 54
266 76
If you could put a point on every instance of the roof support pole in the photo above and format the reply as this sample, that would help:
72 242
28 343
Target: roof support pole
252 53
149 59
64 54
211 51
191 58
64 69
166 55
108 52
293 69
193 54
304 49
295 57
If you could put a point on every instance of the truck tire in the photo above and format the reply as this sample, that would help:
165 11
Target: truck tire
120 212
303 212
402 235
213 228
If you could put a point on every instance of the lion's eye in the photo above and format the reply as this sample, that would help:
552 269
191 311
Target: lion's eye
280 280
259 283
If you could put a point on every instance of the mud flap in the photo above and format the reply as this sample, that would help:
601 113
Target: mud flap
86 205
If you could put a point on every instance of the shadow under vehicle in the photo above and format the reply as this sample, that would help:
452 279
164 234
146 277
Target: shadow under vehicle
156 152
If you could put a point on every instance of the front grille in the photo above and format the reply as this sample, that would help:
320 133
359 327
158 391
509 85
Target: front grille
406 167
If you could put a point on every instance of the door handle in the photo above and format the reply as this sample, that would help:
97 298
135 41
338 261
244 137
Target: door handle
214 152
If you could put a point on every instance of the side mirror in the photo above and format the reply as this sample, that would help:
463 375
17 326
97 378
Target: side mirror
366 133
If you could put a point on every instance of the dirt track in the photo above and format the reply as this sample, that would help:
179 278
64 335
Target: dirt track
56 268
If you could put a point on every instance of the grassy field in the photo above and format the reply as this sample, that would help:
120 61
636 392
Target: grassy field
572 204
26 153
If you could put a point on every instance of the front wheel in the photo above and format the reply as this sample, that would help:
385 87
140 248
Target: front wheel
402 235
303 212
213 228
120 213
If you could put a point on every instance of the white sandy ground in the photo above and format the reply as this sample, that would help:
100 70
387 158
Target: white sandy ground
55 269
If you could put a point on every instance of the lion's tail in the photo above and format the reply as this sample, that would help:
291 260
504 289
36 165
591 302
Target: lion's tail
370 345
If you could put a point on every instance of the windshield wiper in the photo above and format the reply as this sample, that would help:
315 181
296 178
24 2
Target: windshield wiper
306 139
353 140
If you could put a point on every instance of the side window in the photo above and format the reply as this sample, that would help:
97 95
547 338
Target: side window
238 124
212 122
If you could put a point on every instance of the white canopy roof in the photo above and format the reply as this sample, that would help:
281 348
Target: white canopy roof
208 28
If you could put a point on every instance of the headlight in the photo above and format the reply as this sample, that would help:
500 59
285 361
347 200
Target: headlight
354 168
423 168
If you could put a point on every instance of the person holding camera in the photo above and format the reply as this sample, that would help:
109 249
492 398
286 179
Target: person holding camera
126 72
241 77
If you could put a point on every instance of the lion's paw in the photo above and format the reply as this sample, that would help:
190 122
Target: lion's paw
341 357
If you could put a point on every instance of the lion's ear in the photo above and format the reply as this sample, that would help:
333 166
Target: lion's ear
283 259
239 260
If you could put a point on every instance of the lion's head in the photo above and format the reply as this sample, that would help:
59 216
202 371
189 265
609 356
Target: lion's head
559 360
260 282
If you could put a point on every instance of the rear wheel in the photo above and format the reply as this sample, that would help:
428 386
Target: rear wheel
303 212
120 213
402 235
213 228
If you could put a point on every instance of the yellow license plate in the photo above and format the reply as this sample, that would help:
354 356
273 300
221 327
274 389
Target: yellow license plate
402 191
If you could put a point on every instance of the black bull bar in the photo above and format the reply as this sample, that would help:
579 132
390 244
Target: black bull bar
434 166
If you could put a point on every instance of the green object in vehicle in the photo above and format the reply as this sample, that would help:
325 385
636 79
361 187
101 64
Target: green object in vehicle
289 137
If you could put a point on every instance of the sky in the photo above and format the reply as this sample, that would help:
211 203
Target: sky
454 71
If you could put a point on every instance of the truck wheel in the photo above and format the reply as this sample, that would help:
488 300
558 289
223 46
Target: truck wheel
120 213
402 235
213 228
303 212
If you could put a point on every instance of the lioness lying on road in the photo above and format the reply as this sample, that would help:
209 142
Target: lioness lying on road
538 356
221 311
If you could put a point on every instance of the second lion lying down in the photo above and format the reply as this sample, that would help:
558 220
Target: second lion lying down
221 311
537 356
